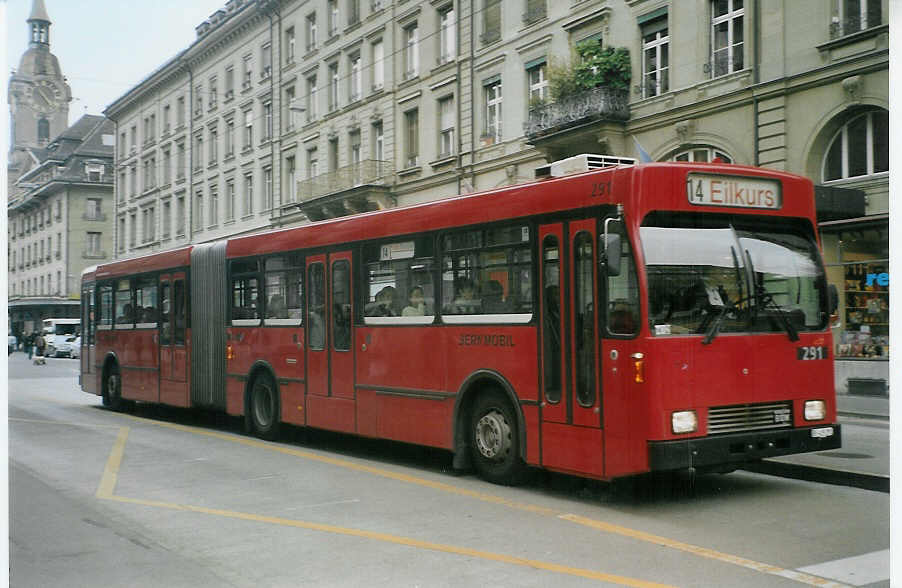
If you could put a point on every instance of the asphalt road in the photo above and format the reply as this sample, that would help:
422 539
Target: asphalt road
160 497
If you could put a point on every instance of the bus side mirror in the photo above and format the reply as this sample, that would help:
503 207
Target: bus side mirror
832 298
611 248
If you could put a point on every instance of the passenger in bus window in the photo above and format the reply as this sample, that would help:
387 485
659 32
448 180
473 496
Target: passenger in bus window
493 298
417 303
382 305
465 301
276 307
126 316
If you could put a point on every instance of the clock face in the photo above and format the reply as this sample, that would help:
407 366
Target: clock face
44 96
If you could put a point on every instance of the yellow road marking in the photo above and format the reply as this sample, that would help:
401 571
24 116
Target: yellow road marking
596 524
65 423
111 471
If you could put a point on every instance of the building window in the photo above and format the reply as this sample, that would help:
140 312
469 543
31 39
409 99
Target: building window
291 188
537 75
378 142
229 83
411 51
180 111
856 15
311 98
701 155
180 161
214 99
92 209
133 230
353 12
167 219
180 216
655 57
311 31
355 82
167 166
727 36
265 61
199 211
267 121
289 114
198 100
446 119
214 206
411 138
333 154
333 86
121 236
447 35
230 200
354 148
267 189
859 148
248 194
247 73
289 45
198 154
491 21
248 129
536 10
378 65
148 225
213 146
493 110
332 11
312 163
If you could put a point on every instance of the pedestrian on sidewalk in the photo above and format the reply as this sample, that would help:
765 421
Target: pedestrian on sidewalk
29 340
40 344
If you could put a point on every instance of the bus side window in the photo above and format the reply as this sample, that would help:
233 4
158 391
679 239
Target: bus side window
623 292
165 307
245 304
181 312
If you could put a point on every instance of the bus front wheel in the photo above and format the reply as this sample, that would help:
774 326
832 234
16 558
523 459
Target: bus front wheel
494 438
264 407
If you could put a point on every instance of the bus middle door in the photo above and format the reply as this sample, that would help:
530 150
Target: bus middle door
572 437
173 348
330 361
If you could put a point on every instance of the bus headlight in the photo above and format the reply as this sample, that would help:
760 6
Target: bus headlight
684 421
815 410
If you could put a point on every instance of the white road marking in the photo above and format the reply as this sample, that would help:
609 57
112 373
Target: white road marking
855 571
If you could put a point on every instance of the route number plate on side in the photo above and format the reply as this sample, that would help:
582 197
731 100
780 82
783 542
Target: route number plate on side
811 352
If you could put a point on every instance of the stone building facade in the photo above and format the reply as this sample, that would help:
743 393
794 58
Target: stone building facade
287 111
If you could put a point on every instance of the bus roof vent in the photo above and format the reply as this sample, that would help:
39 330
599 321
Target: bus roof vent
581 163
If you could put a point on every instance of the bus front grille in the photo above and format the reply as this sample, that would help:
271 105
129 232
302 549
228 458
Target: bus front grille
749 417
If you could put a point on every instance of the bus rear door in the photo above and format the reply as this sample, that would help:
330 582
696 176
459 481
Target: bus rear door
330 359
572 437
173 350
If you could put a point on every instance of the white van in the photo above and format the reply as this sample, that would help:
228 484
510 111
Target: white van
56 331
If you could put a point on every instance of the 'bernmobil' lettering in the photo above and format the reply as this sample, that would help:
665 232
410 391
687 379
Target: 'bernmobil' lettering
486 340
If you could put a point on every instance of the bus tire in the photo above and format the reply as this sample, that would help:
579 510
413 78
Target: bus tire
264 407
493 440
112 389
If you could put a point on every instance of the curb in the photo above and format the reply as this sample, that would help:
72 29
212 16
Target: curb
864 481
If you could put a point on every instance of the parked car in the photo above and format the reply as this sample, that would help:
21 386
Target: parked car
11 343
74 346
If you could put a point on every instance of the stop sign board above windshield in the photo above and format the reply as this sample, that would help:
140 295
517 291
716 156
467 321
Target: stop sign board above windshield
733 191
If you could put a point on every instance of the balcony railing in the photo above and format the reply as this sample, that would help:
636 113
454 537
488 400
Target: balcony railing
594 104
368 172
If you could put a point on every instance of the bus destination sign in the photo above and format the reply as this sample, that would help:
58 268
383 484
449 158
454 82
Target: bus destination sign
743 192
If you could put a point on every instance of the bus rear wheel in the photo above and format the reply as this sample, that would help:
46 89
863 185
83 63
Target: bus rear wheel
494 445
112 389
264 407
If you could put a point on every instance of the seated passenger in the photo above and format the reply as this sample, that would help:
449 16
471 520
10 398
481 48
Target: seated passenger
417 306
465 301
382 305
493 298
276 307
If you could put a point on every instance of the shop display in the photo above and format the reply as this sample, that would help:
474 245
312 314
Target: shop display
866 312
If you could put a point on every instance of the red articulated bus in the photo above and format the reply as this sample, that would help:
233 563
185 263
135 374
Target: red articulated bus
608 320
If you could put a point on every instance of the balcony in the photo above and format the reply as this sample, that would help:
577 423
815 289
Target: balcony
351 189
577 110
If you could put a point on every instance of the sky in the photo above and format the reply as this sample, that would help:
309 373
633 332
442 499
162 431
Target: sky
106 47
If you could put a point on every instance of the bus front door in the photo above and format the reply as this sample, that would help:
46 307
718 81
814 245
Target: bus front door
330 361
572 437
173 348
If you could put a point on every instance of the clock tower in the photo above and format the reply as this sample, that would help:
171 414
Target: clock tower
38 93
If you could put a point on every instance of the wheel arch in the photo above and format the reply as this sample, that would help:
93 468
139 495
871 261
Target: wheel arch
469 390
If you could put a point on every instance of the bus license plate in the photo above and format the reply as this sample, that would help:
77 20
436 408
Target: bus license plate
822 432
811 352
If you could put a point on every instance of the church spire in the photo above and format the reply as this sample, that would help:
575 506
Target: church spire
39 23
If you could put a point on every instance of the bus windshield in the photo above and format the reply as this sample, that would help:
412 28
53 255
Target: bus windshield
708 275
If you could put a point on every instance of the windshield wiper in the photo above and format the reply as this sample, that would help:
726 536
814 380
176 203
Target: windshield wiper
765 298
714 326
